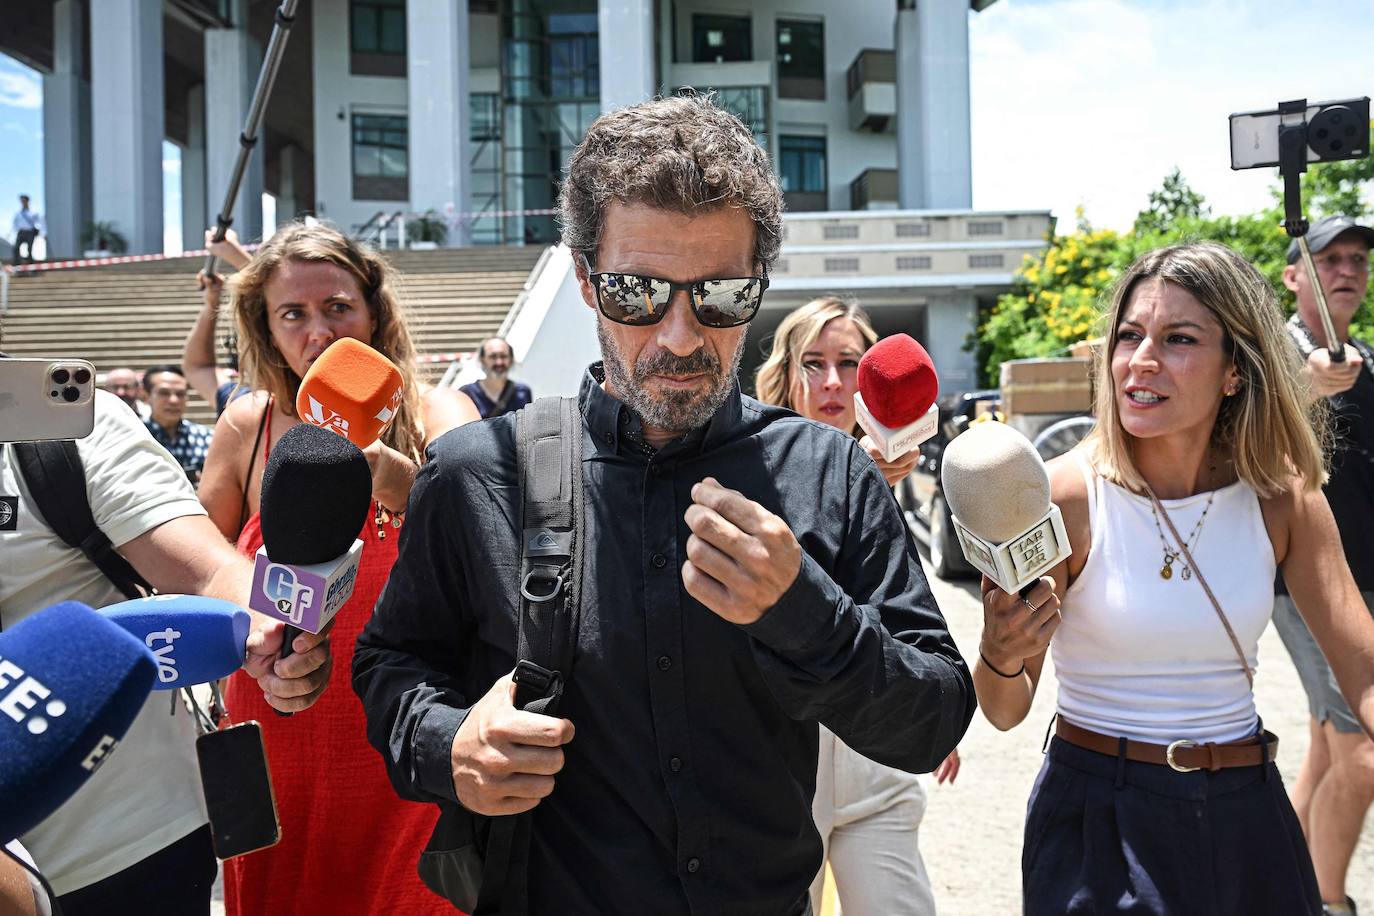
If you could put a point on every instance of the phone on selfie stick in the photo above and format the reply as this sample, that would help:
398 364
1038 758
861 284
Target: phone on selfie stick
1290 137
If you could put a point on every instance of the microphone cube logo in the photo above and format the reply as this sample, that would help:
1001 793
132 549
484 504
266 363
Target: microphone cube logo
291 596
322 416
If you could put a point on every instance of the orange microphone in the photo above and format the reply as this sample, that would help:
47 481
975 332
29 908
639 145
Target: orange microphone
352 390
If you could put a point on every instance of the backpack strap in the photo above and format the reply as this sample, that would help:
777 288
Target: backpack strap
549 451
56 481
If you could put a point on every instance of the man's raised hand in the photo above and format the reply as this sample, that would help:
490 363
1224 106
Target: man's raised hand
741 558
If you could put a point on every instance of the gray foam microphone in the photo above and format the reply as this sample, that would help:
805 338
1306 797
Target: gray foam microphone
999 496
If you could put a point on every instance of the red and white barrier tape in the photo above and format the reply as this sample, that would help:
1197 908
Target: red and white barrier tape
442 357
101 262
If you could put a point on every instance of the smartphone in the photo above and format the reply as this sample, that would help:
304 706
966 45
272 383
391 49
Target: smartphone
46 399
238 790
1335 130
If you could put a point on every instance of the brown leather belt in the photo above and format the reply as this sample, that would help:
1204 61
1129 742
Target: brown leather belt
1182 755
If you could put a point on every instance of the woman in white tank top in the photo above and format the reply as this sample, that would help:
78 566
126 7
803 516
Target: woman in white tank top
1159 794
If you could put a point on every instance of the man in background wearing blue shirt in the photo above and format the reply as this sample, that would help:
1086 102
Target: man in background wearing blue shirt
496 394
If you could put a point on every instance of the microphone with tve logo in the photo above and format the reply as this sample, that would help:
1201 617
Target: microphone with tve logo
195 640
999 496
71 684
316 492
351 389
895 403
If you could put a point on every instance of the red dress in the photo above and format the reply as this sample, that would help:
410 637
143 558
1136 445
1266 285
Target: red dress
349 844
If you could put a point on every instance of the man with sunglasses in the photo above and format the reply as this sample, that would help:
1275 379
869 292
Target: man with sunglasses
746 575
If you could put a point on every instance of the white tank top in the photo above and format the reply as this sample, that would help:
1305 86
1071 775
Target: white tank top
1143 657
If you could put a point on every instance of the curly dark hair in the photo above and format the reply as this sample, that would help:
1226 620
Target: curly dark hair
683 153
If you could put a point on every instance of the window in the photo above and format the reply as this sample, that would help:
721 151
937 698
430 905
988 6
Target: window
915 262
841 265
377 37
985 260
840 232
801 59
381 157
802 161
484 112
985 227
907 230
717 39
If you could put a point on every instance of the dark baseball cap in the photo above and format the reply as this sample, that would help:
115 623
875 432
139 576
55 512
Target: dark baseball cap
1325 230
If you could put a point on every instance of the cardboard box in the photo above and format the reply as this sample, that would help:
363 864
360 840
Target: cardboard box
1046 386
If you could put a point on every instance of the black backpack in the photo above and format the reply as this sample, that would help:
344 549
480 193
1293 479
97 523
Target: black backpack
56 481
480 863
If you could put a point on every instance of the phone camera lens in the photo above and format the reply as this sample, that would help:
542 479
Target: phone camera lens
60 376
82 376
70 394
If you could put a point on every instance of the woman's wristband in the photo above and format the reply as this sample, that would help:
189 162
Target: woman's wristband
993 668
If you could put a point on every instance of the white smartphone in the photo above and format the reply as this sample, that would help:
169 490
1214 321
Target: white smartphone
46 399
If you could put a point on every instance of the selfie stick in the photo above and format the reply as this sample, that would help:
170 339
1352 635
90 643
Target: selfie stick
1292 163
271 62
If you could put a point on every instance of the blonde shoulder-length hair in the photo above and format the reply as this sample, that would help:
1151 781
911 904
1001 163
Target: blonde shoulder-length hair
799 330
261 363
1270 433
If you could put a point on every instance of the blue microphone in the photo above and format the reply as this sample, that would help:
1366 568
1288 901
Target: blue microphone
195 640
71 684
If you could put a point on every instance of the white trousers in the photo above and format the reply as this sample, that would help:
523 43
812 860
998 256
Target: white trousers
868 816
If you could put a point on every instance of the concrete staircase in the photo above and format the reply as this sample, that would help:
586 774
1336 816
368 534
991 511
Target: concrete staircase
138 314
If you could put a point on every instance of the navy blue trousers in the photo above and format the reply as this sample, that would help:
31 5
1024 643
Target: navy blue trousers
1108 835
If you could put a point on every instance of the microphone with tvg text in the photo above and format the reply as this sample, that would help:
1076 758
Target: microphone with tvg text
998 494
317 489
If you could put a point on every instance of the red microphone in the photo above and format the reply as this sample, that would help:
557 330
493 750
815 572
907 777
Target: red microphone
895 403
352 390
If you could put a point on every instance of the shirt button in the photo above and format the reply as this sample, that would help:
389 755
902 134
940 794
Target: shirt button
659 561
609 439
675 764
664 663
693 865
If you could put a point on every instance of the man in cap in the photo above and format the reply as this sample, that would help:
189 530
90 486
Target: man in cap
1335 786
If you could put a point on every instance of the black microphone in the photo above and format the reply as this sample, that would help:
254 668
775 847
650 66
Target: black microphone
316 492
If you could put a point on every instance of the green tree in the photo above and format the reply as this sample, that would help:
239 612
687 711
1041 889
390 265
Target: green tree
1173 201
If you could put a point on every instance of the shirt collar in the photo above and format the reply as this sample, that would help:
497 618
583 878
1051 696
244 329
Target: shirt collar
609 420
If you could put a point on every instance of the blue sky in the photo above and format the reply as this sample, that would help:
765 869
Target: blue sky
1075 102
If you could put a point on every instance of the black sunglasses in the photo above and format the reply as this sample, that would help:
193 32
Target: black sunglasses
639 301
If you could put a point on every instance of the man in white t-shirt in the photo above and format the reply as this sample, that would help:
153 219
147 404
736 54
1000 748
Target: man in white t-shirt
134 838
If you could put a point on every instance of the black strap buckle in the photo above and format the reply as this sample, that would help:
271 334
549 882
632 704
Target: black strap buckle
535 682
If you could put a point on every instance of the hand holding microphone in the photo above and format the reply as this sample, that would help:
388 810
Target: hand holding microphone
999 496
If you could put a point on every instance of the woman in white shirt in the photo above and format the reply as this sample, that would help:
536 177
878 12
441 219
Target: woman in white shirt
1159 794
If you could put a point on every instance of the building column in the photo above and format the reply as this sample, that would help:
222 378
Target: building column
195 217
232 62
437 62
127 119
910 180
949 322
933 135
66 134
626 43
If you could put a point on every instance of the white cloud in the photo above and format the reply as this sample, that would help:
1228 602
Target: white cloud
20 90
1094 101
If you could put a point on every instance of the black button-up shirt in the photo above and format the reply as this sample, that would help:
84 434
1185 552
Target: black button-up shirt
688 785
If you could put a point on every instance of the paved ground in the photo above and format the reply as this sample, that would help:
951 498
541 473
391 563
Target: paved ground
971 837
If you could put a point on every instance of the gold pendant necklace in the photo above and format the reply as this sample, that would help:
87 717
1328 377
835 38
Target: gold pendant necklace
1166 572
